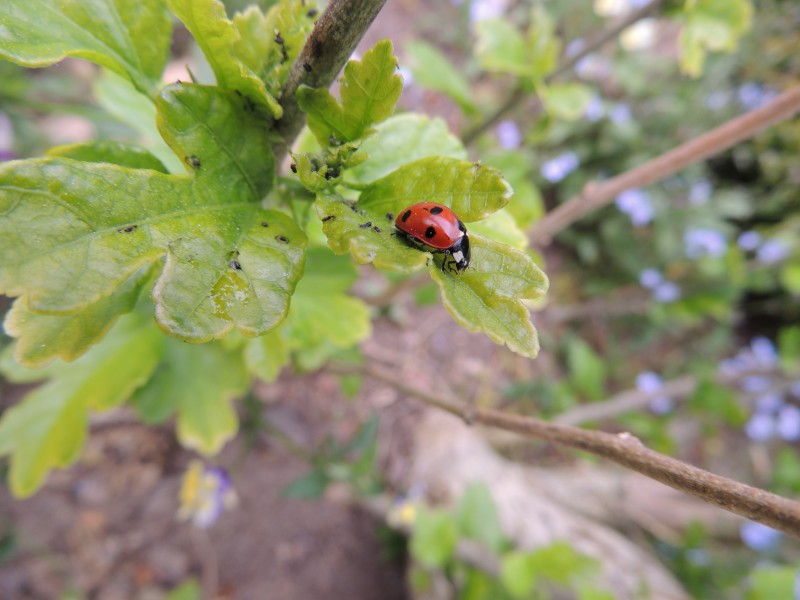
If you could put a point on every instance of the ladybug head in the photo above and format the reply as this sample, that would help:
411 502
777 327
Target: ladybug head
460 253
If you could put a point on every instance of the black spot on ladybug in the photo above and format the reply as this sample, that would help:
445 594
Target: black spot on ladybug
405 216
282 238
332 173
234 264
328 218
193 161
128 229
436 210
293 167
430 232
278 38
366 225
312 13
376 229
264 224
390 216
307 67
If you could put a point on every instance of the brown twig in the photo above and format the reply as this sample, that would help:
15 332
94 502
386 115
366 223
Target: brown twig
567 62
624 449
597 194
332 41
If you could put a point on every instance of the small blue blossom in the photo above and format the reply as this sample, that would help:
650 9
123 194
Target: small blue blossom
769 403
667 292
772 251
789 423
480 10
764 352
700 192
575 46
595 109
508 134
700 242
620 114
749 241
637 205
407 75
795 389
650 278
752 95
650 383
760 427
753 384
556 169
759 537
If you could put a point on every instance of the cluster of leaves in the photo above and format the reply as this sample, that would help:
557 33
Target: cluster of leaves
97 237
434 544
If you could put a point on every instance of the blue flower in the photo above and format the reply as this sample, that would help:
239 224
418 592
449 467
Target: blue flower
650 278
556 169
789 423
749 241
620 114
759 537
508 134
700 192
764 352
795 389
754 384
760 427
772 251
205 493
769 403
650 383
750 95
667 292
700 242
480 10
594 110
637 205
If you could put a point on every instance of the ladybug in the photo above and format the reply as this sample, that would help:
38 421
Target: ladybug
437 229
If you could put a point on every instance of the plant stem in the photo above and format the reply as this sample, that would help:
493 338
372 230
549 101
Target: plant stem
567 62
332 41
624 449
597 194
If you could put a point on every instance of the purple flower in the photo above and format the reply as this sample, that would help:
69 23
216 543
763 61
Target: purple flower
700 242
620 114
795 389
667 292
205 493
760 427
480 10
769 403
508 134
594 110
772 251
759 537
789 423
650 278
749 240
637 205
764 351
575 46
700 192
556 169
755 384
650 383
752 95
407 75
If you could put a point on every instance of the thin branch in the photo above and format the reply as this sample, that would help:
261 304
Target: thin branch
567 62
597 194
332 41
624 449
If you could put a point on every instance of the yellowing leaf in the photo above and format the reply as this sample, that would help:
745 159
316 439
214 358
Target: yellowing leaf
712 25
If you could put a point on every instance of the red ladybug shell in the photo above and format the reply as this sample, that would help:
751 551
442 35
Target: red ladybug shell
433 224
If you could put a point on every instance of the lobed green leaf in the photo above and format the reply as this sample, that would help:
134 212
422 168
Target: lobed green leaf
433 70
472 190
266 355
130 38
711 25
47 429
369 90
110 151
501 47
487 297
220 41
565 100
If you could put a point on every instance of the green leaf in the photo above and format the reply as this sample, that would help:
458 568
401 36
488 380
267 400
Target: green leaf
544 44
478 518
43 337
188 590
711 399
266 355
71 232
518 574
711 26
369 90
790 276
46 430
786 474
199 383
565 100
119 98
321 310
434 539
487 296
110 151
771 582
308 487
269 44
130 38
433 70
501 227
587 370
220 41
472 190
501 47
347 231
789 348
526 205
403 139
